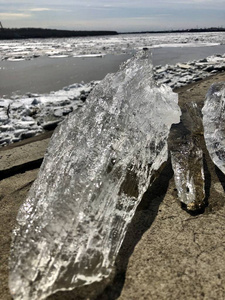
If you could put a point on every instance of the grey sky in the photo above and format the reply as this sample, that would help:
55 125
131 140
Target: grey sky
117 15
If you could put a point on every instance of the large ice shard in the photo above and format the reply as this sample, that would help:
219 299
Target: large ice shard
214 124
187 157
98 165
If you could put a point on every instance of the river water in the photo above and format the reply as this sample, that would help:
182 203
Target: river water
44 74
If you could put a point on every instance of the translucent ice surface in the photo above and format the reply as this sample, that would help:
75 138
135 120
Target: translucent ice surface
214 124
187 163
97 167
187 157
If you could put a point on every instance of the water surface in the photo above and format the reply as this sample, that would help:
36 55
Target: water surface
44 74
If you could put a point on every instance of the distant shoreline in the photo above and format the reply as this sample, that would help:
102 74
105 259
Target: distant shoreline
27 33
192 30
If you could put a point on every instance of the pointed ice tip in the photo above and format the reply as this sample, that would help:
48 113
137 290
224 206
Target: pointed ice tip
144 53
138 58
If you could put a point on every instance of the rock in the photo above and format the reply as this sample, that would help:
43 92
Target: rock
220 68
18 132
67 111
28 134
203 60
197 78
35 102
209 68
5 140
51 125
83 98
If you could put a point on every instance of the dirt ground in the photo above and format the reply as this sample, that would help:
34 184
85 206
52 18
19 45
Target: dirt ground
168 253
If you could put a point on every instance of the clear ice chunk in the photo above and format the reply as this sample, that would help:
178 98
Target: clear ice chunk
98 165
187 164
192 118
214 124
187 157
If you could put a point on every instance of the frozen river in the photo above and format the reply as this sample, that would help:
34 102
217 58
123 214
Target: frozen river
44 74
41 66
45 67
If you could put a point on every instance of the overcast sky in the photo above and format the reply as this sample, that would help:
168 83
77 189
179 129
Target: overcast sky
117 15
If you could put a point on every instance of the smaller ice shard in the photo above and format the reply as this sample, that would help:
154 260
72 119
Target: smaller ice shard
187 157
192 118
187 164
214 124
98 166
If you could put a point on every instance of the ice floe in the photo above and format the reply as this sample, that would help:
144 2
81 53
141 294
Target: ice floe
123 43
184 45
184 73
30 114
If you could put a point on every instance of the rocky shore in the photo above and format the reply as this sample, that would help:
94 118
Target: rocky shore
168 253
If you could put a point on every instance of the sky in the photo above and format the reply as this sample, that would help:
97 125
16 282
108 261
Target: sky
119 15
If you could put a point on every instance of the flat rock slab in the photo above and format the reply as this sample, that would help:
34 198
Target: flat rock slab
23 156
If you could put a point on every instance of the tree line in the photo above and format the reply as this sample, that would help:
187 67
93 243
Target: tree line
25 33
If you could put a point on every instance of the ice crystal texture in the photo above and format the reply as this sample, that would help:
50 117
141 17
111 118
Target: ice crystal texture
97 167
214 124
187 157
187 163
